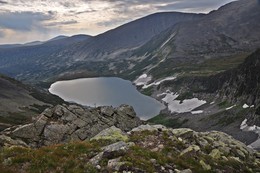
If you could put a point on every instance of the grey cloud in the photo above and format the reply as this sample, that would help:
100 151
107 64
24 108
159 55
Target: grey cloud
125 7
85 11
1 34
68 4
75 13
3 2
52 13
112 22
23 21
188 4
62 23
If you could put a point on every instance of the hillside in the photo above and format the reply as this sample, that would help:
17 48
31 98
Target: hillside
230 98
20 62
19 102
199 47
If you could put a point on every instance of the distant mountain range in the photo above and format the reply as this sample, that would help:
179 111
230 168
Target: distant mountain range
33 43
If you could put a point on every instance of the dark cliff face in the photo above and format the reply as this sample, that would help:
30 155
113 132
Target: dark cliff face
245 80
244 84
241 82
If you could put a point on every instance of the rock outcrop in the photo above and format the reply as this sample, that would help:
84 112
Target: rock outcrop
144 149
210 151
63 123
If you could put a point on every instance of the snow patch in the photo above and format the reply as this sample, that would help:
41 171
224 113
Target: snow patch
245 106
230 107
243 124
159 82
142 80
169 39
177 106
244 127
212 103
197 112
170 97
160 95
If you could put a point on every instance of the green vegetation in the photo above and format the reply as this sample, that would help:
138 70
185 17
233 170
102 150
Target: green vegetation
206 68
151 151
167 121
224 104
147 91
59 158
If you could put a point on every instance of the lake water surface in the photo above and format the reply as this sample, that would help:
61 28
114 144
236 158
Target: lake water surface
106 91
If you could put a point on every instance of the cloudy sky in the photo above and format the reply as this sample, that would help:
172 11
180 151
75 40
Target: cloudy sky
28 20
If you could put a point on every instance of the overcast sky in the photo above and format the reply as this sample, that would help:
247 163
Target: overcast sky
28 20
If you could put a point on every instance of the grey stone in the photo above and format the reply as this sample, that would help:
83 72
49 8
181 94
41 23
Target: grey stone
215 154
112 133
190 149
205 166
107 110
115 164
183 171
119 146
95 160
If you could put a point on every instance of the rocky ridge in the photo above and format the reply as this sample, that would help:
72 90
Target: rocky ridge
65 123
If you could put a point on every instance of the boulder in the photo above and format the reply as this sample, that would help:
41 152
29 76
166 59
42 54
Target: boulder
191 148
205 166
215 154
7 141
148 127
109 151
113 134
115 164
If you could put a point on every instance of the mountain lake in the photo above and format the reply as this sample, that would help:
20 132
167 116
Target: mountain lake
107 91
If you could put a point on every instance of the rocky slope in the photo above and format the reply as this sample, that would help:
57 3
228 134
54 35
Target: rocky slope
65 123
19 102
231 98
243 85
142 149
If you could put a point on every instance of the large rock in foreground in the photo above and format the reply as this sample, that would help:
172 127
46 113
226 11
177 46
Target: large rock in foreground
64 123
